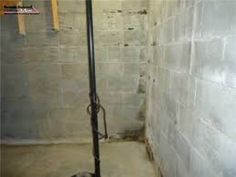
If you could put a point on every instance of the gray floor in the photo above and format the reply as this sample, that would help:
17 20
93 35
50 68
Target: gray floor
121 159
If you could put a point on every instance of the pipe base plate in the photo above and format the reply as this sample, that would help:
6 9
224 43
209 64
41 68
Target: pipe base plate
83 174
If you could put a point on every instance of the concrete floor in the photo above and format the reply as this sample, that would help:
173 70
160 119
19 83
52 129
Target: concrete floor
120 159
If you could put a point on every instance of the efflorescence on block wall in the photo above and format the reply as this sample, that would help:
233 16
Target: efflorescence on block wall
192 90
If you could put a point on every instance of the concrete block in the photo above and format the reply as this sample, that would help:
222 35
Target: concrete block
114 54
198 19
135 38
203 137
184 25
156 128
42 70
227 156
76 124
100 22
171 107
224 159
129 84
154 36
81 55
182 88
229 62
11 71
102 54
215 147
128 113
170 8
51 124
185 120
109 70
132 99
66 54
199 166
183 149
18 111
144 54
12 56
208 60
181 170
172 134
109 38
158 55
229 173
111 98
164 80
220 114
101 84
75 86
134 5
167 32
73 39
164 122
71 6
72 22
73 54
80 22
44 79
218 18
170 161
133 70
40 55
39 39
127 119
73 100
8 24
161 153
110 8
62 123
142 85
12 39
177 57
75 71
130 54
38 23
14 87
43 87
134 22
114 21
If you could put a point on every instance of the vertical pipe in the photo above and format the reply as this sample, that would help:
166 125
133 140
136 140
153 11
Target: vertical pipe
92 83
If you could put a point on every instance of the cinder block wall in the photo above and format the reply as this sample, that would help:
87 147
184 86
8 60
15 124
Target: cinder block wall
191 113
44 77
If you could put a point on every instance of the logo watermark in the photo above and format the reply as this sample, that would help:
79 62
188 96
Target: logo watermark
19 10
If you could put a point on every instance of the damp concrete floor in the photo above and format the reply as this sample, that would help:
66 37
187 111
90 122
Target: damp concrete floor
118 159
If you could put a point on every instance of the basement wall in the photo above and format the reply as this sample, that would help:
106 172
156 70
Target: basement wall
192 88
44 89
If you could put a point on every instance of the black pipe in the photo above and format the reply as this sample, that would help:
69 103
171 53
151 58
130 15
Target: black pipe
92 84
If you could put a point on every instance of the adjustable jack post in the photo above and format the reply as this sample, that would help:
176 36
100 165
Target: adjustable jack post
94 106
